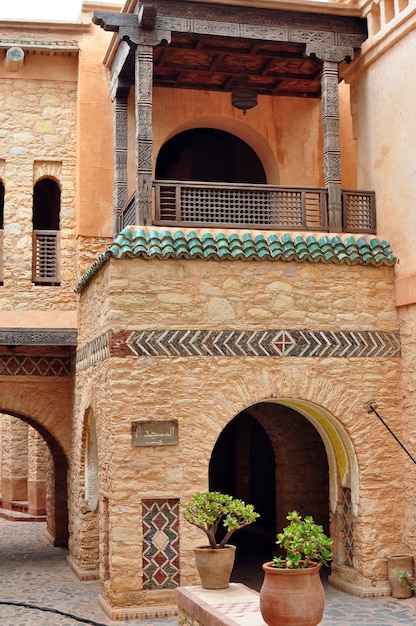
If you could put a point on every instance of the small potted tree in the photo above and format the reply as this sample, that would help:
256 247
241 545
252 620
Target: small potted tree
209 511
292 591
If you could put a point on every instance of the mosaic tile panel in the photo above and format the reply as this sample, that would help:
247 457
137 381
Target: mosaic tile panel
347 526
17 365
160 544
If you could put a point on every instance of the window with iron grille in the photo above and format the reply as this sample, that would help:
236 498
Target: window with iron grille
46 234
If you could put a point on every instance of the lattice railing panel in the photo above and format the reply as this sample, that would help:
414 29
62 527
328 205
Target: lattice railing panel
260 206
264 206
46 253
359 214
224 206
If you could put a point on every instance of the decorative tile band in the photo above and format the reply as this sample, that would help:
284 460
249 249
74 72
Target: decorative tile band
18 365
93 352
237 343
160 544
278 343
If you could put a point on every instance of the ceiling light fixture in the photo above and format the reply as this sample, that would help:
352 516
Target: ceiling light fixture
244 98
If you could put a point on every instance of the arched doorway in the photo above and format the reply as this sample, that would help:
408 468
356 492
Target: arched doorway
33 471
211 155
273 457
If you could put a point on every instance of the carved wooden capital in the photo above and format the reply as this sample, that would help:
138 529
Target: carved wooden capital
324 52
140 37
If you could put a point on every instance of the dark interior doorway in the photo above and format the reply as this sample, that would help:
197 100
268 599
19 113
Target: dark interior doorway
274 458
210 155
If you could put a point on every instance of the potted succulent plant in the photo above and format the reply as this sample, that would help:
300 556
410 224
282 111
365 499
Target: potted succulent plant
209 511
292 591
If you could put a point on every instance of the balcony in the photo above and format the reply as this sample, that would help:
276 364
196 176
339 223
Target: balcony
264 207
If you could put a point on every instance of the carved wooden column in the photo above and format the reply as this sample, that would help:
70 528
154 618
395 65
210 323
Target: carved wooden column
135 32
144 134
331 57
332 151
120 98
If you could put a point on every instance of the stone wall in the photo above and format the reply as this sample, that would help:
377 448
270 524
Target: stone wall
205 392
15 461
37 140
408 433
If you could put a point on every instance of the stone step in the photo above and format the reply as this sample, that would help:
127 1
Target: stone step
20 516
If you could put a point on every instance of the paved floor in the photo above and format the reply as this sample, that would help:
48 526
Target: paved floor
38 588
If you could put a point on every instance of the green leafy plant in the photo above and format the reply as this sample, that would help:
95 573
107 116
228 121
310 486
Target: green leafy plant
407 580
304 541
207 510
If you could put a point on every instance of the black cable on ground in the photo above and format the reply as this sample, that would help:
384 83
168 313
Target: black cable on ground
49 610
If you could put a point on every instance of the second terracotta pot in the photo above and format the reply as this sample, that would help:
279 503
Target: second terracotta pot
292 597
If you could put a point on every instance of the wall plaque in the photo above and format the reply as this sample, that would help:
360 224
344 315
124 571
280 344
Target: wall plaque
155 433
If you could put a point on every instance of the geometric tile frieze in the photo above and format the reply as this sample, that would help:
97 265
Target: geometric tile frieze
35 366
277 343
240 343
160 555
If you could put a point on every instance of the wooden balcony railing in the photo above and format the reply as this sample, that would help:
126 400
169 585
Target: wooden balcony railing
270 207
46 257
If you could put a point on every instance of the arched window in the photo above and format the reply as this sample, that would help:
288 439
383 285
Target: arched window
46 236
222 166
208 154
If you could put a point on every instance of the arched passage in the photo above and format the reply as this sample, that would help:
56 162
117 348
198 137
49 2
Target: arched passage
55 471
283 455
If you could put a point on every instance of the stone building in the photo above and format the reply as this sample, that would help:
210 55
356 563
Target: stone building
209 281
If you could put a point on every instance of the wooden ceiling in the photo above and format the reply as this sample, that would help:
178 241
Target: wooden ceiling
217 64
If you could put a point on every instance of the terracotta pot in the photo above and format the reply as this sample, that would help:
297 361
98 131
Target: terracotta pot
395 564
214 566
292 597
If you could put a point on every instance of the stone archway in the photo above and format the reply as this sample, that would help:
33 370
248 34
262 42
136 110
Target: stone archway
282 455
55 496
273 457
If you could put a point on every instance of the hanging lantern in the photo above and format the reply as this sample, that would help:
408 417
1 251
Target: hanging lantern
244 98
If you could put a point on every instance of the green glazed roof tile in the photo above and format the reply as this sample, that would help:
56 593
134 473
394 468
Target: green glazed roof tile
162 244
